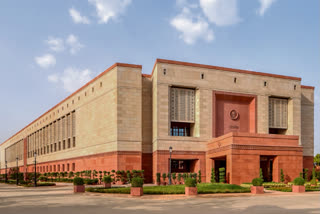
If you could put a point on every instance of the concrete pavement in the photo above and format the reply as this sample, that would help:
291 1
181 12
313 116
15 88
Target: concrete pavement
60 199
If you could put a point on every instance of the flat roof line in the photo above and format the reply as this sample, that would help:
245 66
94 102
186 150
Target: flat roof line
223 69
88 83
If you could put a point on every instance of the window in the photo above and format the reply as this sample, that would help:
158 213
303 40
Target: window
58 168
69 143
182 102
180 129
73 166
278 115
202 76
62 167
265 83
59 145
92 89
54 168
68 167
64 144
55 147
74 141
235 80
100 84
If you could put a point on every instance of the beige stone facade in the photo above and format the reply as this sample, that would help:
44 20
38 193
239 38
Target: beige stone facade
125 114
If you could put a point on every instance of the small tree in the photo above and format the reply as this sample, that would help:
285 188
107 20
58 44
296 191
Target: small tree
306 170
174 177
128 177
281 176
199 180
179 177
158 177
164 176
261 174
314 178
222 174
213 176
317 159
301 175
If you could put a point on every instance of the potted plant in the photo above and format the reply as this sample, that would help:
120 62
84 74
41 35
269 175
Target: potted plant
164 176
136 186
179 178
298 185
174 177
158 178
257 187
107 181
191 186
78 185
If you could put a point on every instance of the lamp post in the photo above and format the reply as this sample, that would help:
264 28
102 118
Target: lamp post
35 169
6 178
17 159
170 151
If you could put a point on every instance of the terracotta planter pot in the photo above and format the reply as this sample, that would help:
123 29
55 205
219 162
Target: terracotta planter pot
78 188
107 185
298 189
191 191
136 191
257 189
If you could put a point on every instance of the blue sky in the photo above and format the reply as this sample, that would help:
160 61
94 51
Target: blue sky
50 48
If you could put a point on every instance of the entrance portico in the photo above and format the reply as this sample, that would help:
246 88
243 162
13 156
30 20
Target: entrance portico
246 153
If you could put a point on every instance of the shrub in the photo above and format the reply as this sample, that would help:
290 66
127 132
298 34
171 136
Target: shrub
281 176
158 177
191 182
298 181
314 179
222 175
306 174
78 181
174 176
95 180
107 179
261 174
164 176
137 182
257 182
199 180
213 176
43 178
179 177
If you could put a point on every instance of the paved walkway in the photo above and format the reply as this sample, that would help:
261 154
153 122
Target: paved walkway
60 199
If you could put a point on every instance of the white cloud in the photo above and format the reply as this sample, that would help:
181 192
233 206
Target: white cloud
221 12
55 44
192 28
53 78
71 79
46 60
74 44
77 18
109 9
264 6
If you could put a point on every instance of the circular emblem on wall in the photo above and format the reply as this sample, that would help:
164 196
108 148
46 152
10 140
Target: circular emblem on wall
234 115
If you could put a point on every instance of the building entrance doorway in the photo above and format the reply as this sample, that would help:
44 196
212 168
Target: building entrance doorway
266 164
220 162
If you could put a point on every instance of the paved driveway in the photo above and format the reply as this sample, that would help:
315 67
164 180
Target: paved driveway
60 200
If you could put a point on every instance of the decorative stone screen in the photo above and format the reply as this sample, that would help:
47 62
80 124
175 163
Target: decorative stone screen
182 105
278 113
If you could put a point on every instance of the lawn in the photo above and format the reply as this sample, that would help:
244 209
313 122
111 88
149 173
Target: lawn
203 188
289 189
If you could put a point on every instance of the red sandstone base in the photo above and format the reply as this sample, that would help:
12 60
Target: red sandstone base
78 188
298 189
191 191
136 191
257 189
107 185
